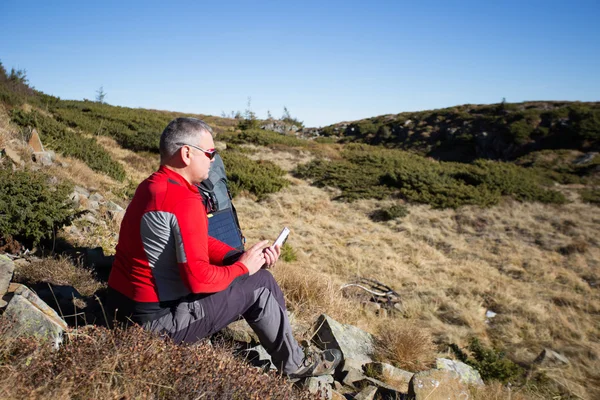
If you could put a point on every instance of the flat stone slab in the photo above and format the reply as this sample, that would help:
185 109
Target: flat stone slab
354 343
384 371
367 393
468 375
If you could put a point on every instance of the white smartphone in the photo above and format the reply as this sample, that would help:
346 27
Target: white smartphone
282 237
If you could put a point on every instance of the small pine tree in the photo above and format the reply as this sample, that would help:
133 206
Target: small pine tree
100 95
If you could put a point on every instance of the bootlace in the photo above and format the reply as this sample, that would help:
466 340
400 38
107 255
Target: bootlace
310 357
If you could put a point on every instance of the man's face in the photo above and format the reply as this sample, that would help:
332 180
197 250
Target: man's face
200 163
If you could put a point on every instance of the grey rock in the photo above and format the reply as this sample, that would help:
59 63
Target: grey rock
437 384
35 142
466 373
550 358
586 158
350 374
13 156
96 197
93 205
73 230
386 371
240 331
258 356
115 211
279 127
112 206
43 158
81 191
75 199
383 389
368 393
320 385
354 343
32 317
7 267
90 218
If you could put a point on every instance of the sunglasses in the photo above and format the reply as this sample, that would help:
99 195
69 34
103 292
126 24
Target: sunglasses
210 153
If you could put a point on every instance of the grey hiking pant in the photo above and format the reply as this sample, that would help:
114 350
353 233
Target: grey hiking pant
257 298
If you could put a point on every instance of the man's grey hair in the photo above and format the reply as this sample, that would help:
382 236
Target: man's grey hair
181 130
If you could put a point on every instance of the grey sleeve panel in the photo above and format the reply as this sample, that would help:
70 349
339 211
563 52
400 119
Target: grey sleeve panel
161 238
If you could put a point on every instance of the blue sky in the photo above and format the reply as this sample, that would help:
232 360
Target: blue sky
327 61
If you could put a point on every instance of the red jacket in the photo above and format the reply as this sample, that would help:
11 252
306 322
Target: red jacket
164 254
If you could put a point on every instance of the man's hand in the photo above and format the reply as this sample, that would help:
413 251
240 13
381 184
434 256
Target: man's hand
254 258
272 254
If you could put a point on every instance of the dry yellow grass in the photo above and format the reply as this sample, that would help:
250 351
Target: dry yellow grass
405 344
59 271
450 267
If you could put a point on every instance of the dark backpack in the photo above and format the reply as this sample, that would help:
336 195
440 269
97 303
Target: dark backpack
223 222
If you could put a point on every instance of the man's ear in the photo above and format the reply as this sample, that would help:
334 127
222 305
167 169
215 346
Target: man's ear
184 155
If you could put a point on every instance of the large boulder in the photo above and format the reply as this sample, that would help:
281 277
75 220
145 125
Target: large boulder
467 374
354 343
437 384
31 316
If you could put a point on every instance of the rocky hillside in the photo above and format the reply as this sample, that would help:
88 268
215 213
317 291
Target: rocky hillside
503 131
420 270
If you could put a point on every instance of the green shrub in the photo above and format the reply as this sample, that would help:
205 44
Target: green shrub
56 136
491 364
30 209
288 254
257 177
263 138
585 122
590 196
390 213
372 172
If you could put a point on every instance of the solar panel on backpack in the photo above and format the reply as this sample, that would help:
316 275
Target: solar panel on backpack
222 225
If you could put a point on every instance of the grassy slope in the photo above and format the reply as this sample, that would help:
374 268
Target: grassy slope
450 267
530 263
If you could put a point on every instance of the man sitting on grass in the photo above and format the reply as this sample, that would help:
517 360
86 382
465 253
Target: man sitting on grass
170 277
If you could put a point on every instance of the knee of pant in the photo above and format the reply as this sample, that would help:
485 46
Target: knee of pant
265 279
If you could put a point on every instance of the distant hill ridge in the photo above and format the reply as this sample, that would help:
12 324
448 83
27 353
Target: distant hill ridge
503 131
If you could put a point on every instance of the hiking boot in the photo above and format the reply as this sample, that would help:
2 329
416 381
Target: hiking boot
318 363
